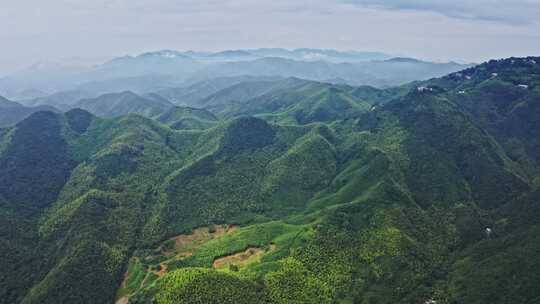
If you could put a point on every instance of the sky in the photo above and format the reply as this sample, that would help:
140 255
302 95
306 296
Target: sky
34 31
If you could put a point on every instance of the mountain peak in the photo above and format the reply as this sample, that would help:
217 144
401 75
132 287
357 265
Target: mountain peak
246 133
404 60
170 54
79 120
4 100
232 53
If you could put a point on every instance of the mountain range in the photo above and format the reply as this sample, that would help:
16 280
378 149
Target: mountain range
168 69
282 190
284 99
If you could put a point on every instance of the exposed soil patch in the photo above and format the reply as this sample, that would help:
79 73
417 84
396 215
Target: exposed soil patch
125 279
162 270
185 244
243 258
123 300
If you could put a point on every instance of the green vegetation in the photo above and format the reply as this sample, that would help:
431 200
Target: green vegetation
117 104
184 118
293 101
195 285
325 194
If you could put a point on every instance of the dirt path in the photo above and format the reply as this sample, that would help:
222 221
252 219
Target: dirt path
124 280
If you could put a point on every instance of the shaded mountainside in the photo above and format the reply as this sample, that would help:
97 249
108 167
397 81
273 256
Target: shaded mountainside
503 97
61 100
432 194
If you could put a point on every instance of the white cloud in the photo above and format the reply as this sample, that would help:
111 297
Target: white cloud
508 11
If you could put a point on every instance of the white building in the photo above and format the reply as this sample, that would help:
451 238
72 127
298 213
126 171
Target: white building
424 89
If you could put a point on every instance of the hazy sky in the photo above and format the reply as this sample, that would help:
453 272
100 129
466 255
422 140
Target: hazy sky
465 30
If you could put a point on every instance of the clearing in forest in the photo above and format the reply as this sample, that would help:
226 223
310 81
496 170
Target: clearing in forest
185 244
248 256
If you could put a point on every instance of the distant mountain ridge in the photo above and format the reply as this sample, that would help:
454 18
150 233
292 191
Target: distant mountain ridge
295 54
12 112
119 104
162 69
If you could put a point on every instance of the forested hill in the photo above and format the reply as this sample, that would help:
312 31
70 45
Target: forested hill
424 196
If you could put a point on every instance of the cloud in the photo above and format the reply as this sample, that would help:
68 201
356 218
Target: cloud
506 11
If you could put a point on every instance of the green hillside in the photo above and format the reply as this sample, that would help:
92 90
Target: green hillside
502 96
188 118
315 193
191 94
118 104
296 101
246 90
